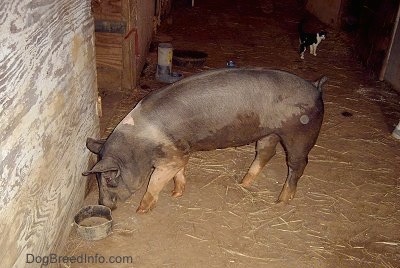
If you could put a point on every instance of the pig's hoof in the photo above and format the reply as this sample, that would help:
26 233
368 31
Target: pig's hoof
247 180
178 190
140 210
148 203
279 201
244 184
285 197
177 193
249 187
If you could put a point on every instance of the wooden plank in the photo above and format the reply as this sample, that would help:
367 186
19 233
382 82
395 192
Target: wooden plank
108 78
109 60
109 50
145 29
107 9
129 77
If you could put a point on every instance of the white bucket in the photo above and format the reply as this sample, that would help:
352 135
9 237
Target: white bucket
164 65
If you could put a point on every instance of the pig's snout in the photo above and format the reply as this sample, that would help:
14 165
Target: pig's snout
111 182
107 198
110 201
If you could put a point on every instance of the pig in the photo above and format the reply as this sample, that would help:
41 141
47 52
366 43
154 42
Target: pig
212 110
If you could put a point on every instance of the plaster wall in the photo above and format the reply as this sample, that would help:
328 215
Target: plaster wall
47 109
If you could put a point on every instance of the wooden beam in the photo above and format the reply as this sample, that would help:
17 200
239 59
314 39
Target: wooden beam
129 80
106 26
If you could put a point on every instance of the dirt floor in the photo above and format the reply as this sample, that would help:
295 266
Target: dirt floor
346 212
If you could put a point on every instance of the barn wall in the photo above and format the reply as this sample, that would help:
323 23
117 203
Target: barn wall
327 11
109 46
371 23
145 21
392 74
376 23
121 55
47 109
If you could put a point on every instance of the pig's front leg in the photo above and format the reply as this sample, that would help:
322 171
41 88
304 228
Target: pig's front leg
159 178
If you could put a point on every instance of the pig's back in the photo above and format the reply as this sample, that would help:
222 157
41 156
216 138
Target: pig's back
228 107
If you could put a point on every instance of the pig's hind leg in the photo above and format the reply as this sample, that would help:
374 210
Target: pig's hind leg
297 149
265 150
180 183
158 179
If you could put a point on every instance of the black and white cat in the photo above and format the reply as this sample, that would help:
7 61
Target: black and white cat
309 39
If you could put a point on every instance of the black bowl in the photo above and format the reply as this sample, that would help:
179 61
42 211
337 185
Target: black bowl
189 58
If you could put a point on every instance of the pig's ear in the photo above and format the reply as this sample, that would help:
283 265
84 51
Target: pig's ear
102 166
95 145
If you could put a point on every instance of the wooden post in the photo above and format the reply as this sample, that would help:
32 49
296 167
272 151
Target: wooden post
115 44
128 79
389 50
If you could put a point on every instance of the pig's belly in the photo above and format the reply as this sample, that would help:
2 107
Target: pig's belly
202 137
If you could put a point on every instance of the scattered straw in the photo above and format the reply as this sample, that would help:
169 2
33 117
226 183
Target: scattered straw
233 252
124 231
289 231
317 253
351 203
216 178
230 212
388 243
197 238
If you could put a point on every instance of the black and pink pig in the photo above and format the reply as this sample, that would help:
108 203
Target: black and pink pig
215 109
